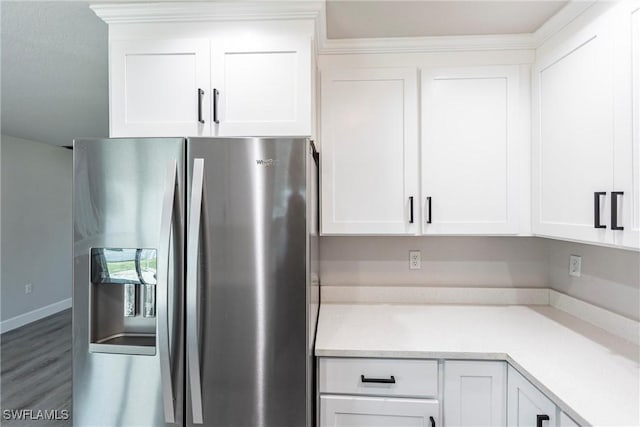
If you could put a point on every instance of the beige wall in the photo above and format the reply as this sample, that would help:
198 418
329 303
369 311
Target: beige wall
450 261
610 277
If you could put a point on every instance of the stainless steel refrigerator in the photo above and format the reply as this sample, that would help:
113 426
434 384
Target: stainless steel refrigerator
195 293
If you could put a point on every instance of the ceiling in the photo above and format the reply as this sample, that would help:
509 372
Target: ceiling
54 71
361 19
54 53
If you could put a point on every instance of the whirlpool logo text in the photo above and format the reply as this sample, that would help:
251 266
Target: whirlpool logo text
267 163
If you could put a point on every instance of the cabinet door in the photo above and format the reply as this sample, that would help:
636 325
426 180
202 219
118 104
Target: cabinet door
525 403
627 130
264 86
573 136
154 87
475 393
470 150
369 156
566 421
360 411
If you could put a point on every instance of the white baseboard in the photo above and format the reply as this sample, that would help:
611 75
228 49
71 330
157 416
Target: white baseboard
33 315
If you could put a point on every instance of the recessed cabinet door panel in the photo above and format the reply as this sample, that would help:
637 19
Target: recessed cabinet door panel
565 421
154 87
627 130
369 151
470 150
264 86
475 393
633 204
573 135
525 403
360 411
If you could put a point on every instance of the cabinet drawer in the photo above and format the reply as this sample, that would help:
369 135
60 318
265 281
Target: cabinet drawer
404 377
366 411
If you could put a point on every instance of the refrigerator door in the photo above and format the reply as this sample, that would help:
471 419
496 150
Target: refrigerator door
248 285
128 282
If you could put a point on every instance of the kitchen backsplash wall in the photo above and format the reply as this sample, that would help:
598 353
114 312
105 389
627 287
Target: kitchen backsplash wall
610 277
446 261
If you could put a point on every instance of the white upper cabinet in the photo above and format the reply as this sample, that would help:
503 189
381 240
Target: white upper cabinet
370 151
263 84
585 145
626 177
157 87
573 137
470 150
211 78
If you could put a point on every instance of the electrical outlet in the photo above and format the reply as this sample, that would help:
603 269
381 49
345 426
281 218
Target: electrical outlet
575 265
28 288
414 260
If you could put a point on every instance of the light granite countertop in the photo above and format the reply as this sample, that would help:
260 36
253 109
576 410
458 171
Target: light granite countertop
589 373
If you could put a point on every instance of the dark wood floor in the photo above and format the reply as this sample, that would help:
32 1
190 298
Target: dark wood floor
36 369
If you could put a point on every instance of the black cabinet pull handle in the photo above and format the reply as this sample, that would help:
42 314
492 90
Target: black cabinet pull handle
596 209
540 419
216 94
411 209
433 422
429 209
390 380
200 93
614 210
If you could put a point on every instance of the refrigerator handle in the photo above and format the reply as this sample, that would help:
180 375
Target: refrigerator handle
168 206
193 242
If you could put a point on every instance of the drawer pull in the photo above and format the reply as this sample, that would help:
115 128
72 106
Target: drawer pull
390 380
200 93
540 419
433 422
614 210
411 209
596 209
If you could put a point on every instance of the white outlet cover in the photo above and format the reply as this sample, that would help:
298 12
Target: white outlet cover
575 265
28 288
415 260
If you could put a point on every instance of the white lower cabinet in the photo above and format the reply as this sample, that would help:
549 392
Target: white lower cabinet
364 411
526 405
565 421
475 393
369 392
381 392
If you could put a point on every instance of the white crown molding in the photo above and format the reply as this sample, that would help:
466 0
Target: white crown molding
206 11
121 13
557 22
426 44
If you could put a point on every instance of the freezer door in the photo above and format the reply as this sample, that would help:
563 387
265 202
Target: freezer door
128 282
247 283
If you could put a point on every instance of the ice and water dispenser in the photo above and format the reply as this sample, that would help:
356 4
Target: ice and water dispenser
122 306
